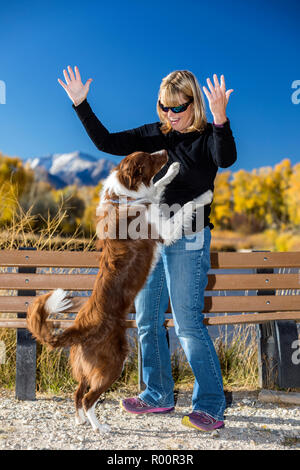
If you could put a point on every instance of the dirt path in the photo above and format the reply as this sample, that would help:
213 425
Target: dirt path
48 423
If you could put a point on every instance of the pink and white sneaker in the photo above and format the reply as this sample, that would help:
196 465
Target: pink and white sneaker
138 406
201 421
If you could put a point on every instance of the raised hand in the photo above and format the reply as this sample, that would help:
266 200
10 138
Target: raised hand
217 98
74 87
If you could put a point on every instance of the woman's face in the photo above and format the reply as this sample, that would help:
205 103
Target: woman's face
181 121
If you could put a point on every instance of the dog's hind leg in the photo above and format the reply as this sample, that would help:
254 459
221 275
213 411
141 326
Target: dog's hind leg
89 403
98 387
79 394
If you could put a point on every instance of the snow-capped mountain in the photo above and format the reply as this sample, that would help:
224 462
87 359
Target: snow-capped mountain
62 169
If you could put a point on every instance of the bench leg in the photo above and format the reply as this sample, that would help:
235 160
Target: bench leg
279 363
26 351
289 365
25 365
277 341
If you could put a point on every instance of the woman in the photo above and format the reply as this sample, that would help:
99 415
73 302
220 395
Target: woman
181 272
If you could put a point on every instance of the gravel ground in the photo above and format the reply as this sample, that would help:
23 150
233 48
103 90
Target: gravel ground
48 423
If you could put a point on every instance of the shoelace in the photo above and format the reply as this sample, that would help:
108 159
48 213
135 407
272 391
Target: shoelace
205 418
141 403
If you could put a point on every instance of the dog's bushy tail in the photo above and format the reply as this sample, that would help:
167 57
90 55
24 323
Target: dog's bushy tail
42 329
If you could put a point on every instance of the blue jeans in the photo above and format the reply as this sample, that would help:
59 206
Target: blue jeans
181 274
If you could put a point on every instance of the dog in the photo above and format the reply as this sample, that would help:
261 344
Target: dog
97 339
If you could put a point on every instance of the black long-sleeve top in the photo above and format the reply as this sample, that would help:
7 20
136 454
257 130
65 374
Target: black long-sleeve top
199 153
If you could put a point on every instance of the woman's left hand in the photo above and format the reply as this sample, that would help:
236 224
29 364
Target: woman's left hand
218 98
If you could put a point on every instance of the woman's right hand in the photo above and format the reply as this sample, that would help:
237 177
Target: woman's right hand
77 92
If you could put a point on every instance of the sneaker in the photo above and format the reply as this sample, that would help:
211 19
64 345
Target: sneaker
201 421
138 406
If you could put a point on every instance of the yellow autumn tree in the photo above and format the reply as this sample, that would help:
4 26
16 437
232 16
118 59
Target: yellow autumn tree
275 186
292 196
14 178
260 195
250 198
91 197
221 210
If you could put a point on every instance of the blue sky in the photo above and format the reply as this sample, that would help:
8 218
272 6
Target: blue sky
127 47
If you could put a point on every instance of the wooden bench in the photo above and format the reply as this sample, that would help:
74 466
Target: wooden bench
252 287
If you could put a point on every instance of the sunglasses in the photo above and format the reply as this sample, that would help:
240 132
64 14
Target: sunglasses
176 109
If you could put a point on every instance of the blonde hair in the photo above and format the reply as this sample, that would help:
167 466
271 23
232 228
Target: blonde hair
185 83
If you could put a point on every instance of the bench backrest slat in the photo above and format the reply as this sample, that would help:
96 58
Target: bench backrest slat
222 260
216 320
217 304
216 282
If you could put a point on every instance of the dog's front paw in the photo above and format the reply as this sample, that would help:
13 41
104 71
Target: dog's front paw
174 168
204 199
171 173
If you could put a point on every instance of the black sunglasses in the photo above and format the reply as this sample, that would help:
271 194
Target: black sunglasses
176 109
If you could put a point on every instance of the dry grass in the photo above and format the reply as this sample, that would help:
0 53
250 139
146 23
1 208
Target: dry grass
21 232
237 355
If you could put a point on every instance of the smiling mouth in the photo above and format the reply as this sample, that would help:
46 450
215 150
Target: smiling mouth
173 121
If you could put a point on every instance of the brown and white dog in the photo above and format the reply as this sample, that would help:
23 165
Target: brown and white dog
98 336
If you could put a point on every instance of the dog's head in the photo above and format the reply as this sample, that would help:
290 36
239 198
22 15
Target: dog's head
139 168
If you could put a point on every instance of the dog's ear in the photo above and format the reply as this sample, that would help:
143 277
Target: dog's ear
126 179
160 153
125 173
131 176
138 171
137 176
